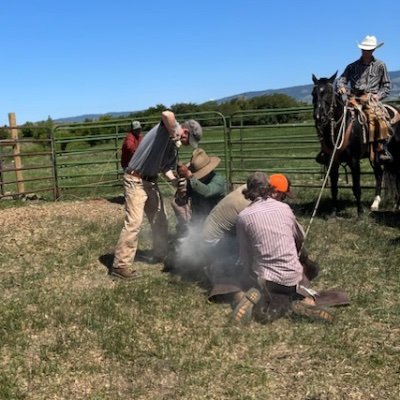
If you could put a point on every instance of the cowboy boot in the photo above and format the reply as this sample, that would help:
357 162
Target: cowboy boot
384 155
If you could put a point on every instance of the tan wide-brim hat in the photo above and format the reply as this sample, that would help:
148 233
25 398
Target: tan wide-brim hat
369 43
202 164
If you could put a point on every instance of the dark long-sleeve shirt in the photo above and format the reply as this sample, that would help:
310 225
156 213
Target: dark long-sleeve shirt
371 78
205 194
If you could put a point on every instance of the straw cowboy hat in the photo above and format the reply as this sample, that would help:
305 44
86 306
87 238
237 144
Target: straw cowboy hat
201 164
369 43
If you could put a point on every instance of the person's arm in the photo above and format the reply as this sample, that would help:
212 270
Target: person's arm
341 84
173 128
385 87
244 251
131 143
169 174
216 187
298 234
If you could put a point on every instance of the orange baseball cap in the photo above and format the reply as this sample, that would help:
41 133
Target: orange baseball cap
281 184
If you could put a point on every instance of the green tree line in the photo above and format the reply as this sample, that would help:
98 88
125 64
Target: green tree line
42 129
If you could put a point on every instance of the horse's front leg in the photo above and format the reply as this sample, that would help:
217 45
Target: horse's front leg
356 177
378 172
334 176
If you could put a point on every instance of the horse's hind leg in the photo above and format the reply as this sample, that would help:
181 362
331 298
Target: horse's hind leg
378 172
356 173
334 176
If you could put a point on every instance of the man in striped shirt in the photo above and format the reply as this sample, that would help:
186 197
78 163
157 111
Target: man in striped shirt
369 81
270 239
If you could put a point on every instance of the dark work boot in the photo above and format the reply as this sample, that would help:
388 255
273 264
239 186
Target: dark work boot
123 273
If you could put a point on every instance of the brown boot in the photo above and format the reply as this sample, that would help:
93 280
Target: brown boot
310 310
123 273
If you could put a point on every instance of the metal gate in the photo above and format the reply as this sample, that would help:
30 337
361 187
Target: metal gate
84 158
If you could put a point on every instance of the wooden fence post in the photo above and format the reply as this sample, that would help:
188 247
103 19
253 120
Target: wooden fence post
1 177
16 151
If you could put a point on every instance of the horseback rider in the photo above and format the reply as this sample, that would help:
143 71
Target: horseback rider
369 83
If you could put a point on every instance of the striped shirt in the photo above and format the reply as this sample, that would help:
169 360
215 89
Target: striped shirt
370 78
269 239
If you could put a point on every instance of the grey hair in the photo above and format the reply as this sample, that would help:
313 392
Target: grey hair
194 128
257 186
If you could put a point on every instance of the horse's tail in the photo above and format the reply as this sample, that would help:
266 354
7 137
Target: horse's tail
391 184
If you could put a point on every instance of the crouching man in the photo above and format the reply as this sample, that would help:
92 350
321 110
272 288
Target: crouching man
270 239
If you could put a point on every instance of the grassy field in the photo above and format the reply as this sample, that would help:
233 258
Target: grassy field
67 331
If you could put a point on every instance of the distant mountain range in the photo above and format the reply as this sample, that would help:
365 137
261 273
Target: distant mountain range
303 93
300 93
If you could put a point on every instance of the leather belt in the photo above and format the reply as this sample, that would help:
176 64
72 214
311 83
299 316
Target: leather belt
143 177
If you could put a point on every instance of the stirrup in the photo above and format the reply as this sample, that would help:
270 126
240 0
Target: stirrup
385 157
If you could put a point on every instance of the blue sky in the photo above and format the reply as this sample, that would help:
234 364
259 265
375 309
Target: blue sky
68 58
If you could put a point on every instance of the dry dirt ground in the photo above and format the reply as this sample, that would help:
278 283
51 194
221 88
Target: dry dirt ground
62 240
29 217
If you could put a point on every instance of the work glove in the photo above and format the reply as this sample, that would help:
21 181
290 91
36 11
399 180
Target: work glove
182 186
184 171
176 136
177 143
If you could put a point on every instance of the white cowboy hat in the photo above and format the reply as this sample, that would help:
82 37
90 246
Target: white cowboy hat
202 164
369 43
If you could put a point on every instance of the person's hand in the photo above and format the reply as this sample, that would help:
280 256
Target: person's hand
184 171
342 90
375 97
182 186
176 132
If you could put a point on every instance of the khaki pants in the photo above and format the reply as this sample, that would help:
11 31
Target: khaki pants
141 197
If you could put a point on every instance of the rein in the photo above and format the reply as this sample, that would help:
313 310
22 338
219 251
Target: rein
342 129
338 143
322 189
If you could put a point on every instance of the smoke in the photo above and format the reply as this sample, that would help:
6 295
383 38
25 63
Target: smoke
195 259
188 255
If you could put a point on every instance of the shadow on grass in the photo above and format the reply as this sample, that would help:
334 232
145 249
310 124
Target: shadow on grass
107 260
345 208
116 199
141 256
387 218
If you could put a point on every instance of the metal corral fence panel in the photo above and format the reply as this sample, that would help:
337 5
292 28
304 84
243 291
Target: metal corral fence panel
282 141
27 167
87 155
83 159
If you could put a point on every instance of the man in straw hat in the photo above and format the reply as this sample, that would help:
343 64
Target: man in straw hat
270 239
157 152
202 190
370 84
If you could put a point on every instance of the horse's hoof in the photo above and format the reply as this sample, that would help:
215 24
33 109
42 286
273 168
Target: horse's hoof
375 204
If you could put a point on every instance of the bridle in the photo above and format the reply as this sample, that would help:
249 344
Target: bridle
327 116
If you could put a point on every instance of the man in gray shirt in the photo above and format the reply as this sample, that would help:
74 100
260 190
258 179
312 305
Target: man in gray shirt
369 81
156 153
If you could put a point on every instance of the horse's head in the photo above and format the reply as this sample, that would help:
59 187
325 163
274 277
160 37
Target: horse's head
323 97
